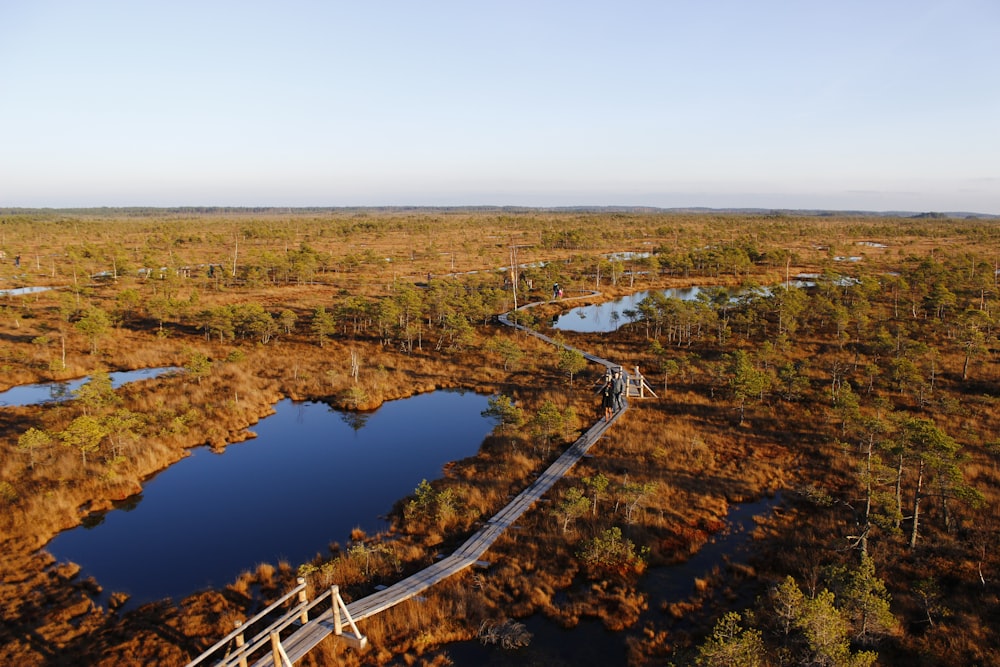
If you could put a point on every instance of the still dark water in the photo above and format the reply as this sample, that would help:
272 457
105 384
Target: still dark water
310 477
589 643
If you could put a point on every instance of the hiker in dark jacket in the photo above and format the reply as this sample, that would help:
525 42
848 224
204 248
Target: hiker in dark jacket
618 389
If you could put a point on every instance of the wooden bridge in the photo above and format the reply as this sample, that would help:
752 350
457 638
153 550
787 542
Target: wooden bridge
301 625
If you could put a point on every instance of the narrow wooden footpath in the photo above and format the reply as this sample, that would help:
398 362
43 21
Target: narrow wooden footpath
340 619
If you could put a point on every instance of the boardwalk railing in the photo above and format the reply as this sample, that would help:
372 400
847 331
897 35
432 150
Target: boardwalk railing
337 615
267 645
236 638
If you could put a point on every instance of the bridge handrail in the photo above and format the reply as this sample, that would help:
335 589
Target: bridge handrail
290 616
320 598
264 636
242 628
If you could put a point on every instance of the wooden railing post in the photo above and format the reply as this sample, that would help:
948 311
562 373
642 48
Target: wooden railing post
304 616
354 638
276 649
338 628
240 641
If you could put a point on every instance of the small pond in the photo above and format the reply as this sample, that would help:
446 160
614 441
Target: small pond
312 475
608 316
20 291
49 392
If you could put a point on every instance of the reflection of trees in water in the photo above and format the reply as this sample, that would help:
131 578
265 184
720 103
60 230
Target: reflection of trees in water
356 420
506 633
59 391
97 518
129 503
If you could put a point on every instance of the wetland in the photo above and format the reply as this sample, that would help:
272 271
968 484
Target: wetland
806 394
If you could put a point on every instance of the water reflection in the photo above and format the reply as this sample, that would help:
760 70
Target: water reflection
674 584
589 644
307 480
608 316
52 392
356 420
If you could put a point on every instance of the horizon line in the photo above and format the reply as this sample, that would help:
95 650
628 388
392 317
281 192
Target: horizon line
501 207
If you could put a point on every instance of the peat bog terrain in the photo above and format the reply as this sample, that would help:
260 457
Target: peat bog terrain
841 370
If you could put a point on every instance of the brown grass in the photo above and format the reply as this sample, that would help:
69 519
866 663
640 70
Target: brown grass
688 445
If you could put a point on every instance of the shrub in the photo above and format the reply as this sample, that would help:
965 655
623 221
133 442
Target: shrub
611 552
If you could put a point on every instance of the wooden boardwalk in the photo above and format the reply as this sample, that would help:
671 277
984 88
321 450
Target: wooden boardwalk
314 631
336 617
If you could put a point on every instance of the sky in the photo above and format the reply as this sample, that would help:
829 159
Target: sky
880 105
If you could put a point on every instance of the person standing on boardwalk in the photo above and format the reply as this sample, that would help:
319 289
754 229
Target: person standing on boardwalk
607 399
618 389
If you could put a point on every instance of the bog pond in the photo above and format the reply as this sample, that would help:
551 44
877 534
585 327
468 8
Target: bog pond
310 476
609 315
50 392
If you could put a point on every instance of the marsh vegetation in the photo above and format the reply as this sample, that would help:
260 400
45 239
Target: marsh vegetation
868 400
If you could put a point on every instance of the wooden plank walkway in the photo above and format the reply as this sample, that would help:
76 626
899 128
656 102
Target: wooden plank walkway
312 632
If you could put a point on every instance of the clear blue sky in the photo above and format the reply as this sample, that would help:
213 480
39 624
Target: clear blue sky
854 104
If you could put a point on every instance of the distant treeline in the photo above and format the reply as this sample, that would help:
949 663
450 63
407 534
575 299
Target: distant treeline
146 211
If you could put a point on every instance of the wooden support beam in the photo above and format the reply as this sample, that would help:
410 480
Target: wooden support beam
278 652
304 616
240 642
354 638
638 387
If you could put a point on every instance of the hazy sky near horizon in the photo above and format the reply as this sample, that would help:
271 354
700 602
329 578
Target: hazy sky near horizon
857 104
